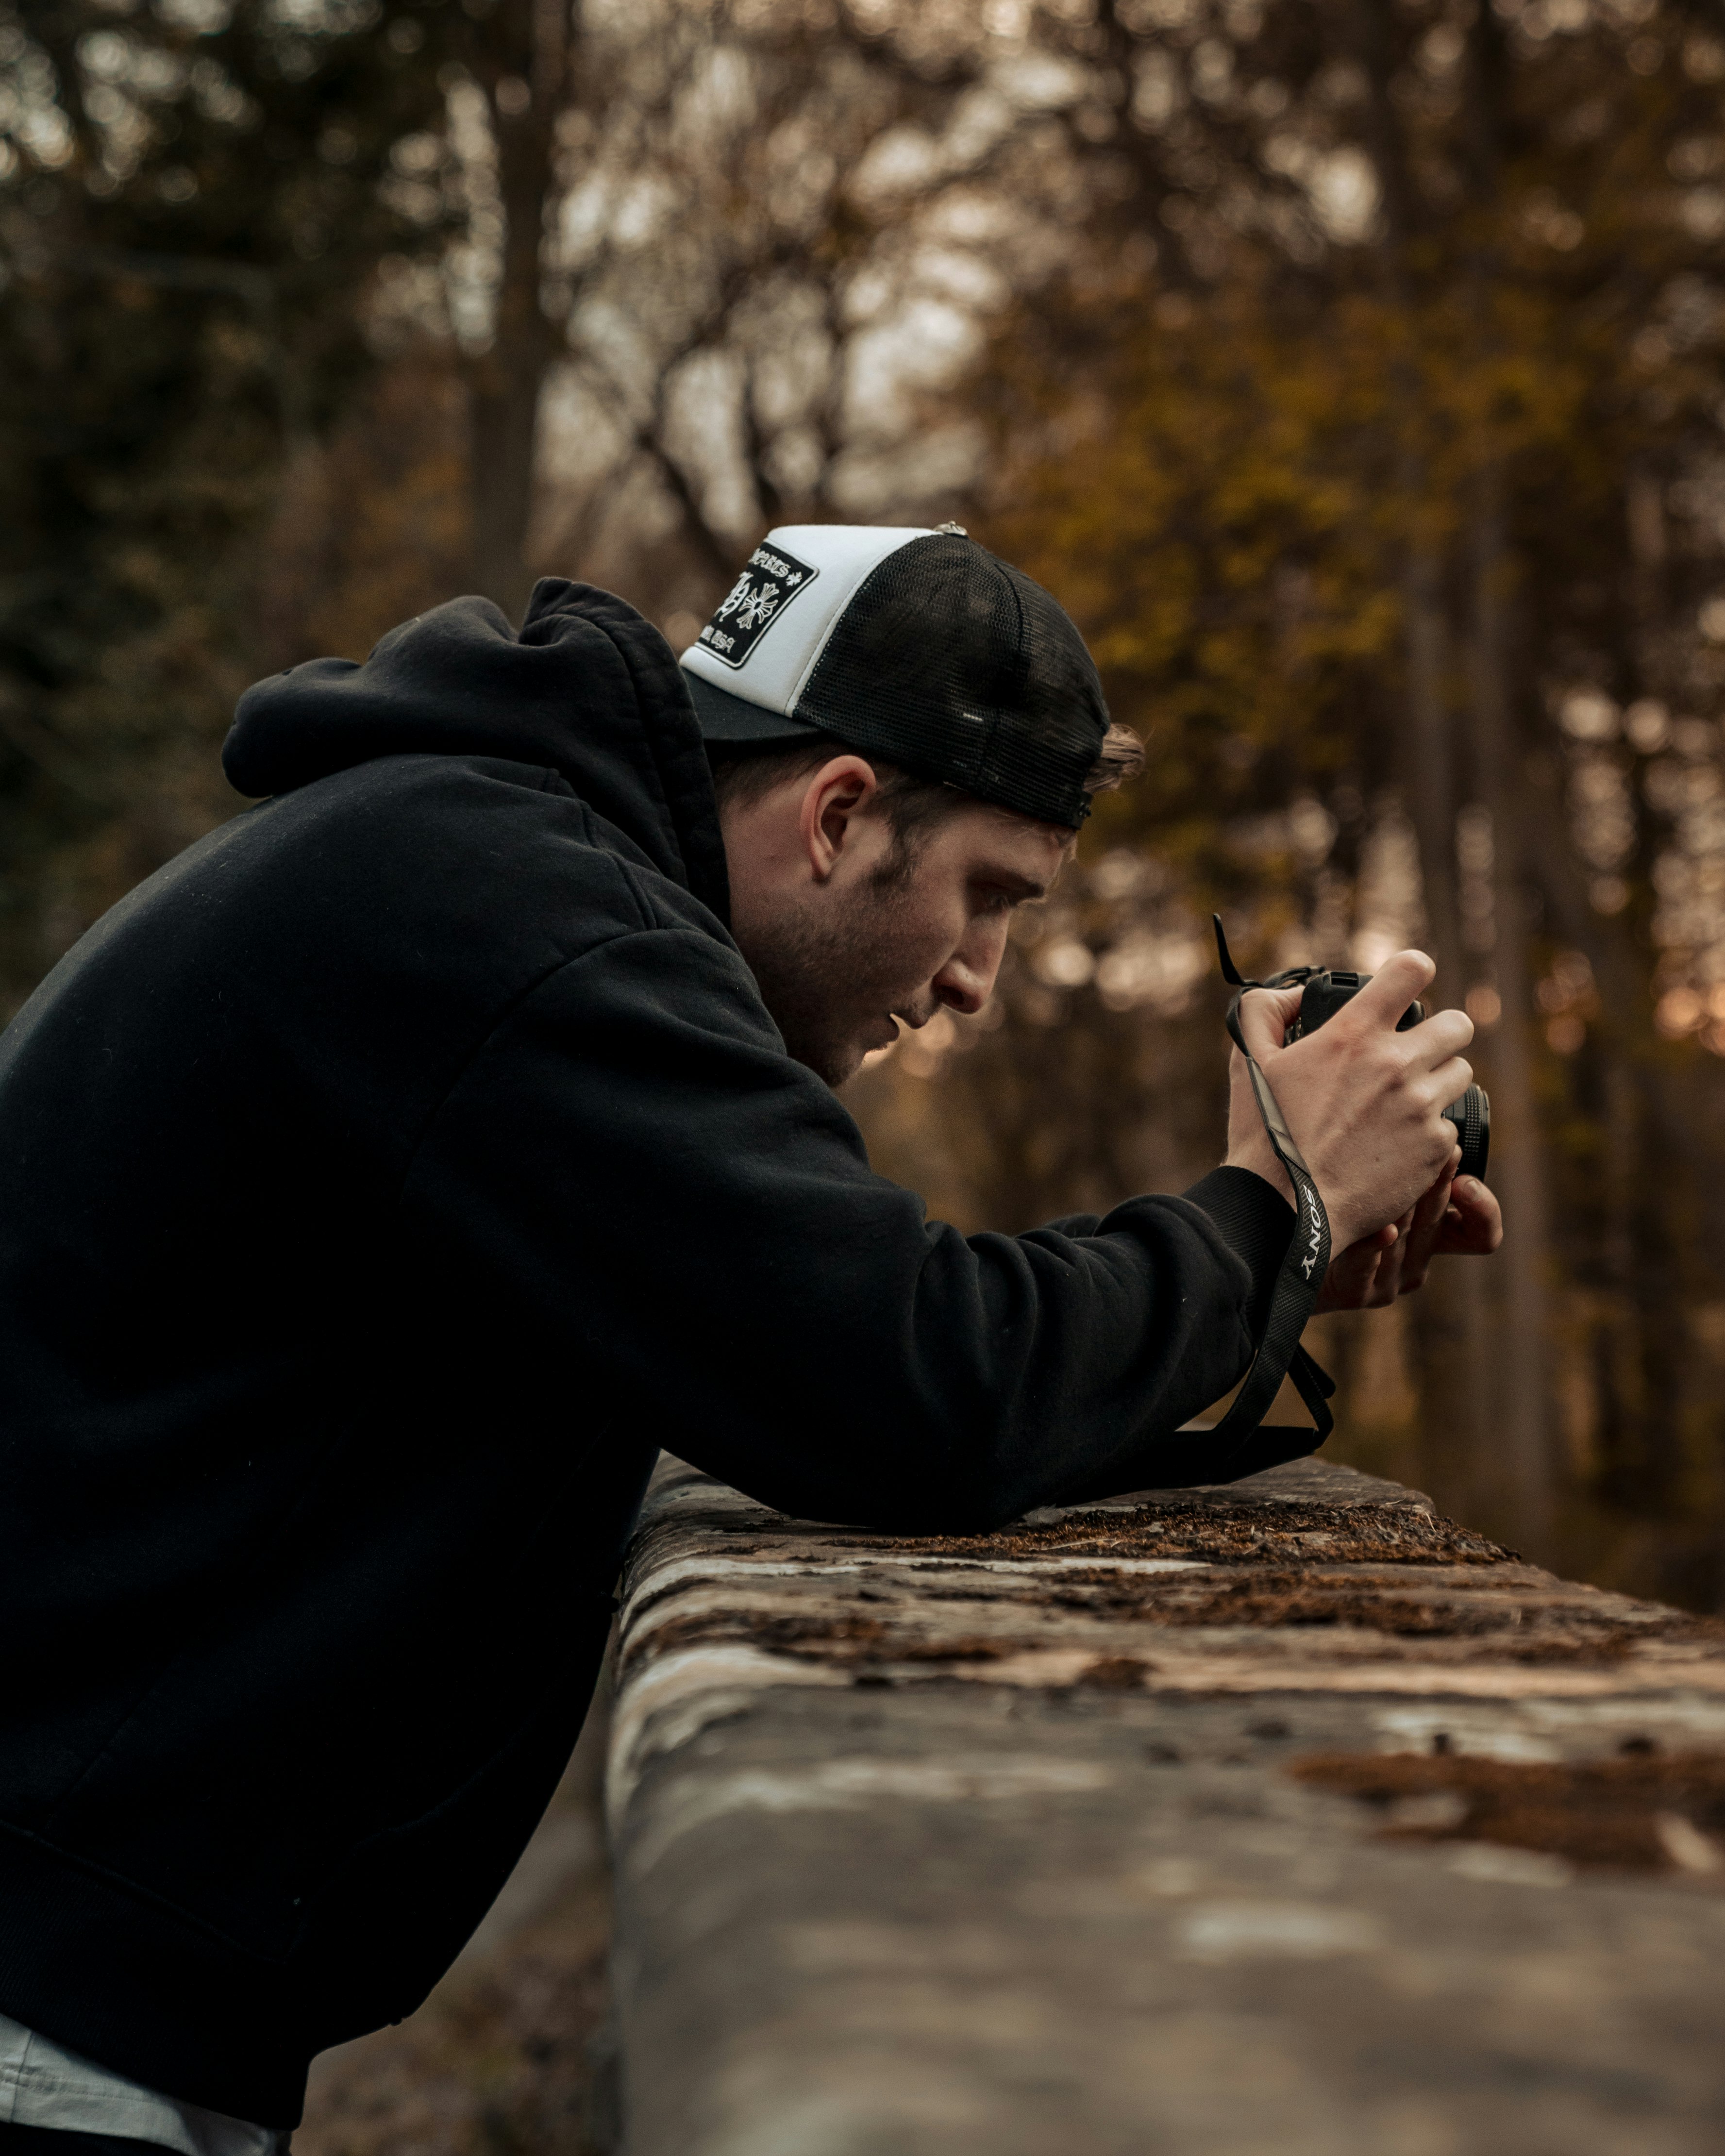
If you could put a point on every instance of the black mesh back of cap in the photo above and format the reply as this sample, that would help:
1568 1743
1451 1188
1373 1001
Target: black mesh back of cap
956 666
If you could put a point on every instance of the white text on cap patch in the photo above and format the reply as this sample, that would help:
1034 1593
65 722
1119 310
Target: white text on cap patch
769 584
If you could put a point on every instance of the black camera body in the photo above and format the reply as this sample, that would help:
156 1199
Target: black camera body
1328 989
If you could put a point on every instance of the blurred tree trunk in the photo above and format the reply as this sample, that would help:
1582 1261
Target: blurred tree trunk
1649 1247
1516 1370
1448 1318
1449 1331
523 59
1516 1375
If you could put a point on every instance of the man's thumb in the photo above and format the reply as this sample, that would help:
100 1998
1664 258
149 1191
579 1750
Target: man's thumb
1265 1016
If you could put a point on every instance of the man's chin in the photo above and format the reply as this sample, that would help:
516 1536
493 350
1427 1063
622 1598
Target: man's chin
837 1062
882 1035
842 1064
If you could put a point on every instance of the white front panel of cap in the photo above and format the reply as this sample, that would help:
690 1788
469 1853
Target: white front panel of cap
773 624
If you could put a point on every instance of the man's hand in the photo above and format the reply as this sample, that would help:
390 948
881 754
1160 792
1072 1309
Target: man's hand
1363 1103
1457 1217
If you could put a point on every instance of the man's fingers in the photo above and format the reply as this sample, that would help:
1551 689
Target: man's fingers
1265 1016
1429 1213
1448 1082
1455 1217
1472 1226
1386 1285
1438 1039
1436 1042
1398 982
1351 1281
1370 1273
1427 1228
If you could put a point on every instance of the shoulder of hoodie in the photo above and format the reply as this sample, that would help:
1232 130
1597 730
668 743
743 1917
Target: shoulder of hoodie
515 847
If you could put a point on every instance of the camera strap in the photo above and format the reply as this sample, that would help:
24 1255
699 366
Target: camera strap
1280 1354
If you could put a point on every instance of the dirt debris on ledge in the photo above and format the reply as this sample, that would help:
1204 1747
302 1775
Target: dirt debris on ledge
1283 1815
1647 1811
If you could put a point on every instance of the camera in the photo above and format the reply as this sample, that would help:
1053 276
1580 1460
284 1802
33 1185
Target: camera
1326 992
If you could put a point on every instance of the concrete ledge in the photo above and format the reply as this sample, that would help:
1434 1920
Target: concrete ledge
1287 1816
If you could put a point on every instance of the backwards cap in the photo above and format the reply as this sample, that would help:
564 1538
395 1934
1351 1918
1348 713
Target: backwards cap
916 646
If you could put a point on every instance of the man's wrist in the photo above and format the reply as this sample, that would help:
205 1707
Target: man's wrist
1254 1221
1260 1159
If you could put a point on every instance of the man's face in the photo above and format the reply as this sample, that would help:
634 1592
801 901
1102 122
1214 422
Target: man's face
846 932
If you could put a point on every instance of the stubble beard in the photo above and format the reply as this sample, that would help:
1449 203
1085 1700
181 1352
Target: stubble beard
824 981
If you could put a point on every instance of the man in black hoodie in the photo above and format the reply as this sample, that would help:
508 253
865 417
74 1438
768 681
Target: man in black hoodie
384 1182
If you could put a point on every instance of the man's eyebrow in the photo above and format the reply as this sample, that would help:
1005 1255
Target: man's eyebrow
1023 888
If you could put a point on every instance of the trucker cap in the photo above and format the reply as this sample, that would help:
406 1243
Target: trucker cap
917 646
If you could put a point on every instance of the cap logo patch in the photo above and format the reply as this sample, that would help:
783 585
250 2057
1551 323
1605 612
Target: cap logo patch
770 582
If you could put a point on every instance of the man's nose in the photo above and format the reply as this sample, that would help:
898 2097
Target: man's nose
967 980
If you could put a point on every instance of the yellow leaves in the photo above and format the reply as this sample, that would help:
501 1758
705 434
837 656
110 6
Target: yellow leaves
1236 488
1228 501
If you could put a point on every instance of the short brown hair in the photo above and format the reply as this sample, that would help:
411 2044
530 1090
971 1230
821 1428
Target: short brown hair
746 774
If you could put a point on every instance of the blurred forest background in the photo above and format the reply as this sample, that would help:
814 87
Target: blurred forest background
1354 371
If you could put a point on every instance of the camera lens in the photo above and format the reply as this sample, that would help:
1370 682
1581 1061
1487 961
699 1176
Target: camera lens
1471 1114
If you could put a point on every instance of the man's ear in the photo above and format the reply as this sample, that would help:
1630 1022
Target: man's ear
838 792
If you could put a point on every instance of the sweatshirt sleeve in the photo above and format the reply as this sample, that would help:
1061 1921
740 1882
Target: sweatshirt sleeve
641 1192
1255 1221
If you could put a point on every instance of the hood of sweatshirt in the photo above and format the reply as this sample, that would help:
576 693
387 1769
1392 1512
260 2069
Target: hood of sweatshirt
586 686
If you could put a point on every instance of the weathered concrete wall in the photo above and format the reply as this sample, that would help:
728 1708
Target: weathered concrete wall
1282 1818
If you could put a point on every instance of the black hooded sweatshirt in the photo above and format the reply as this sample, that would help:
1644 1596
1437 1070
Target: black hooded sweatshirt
381 1185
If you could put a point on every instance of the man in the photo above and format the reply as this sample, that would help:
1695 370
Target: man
384 1182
